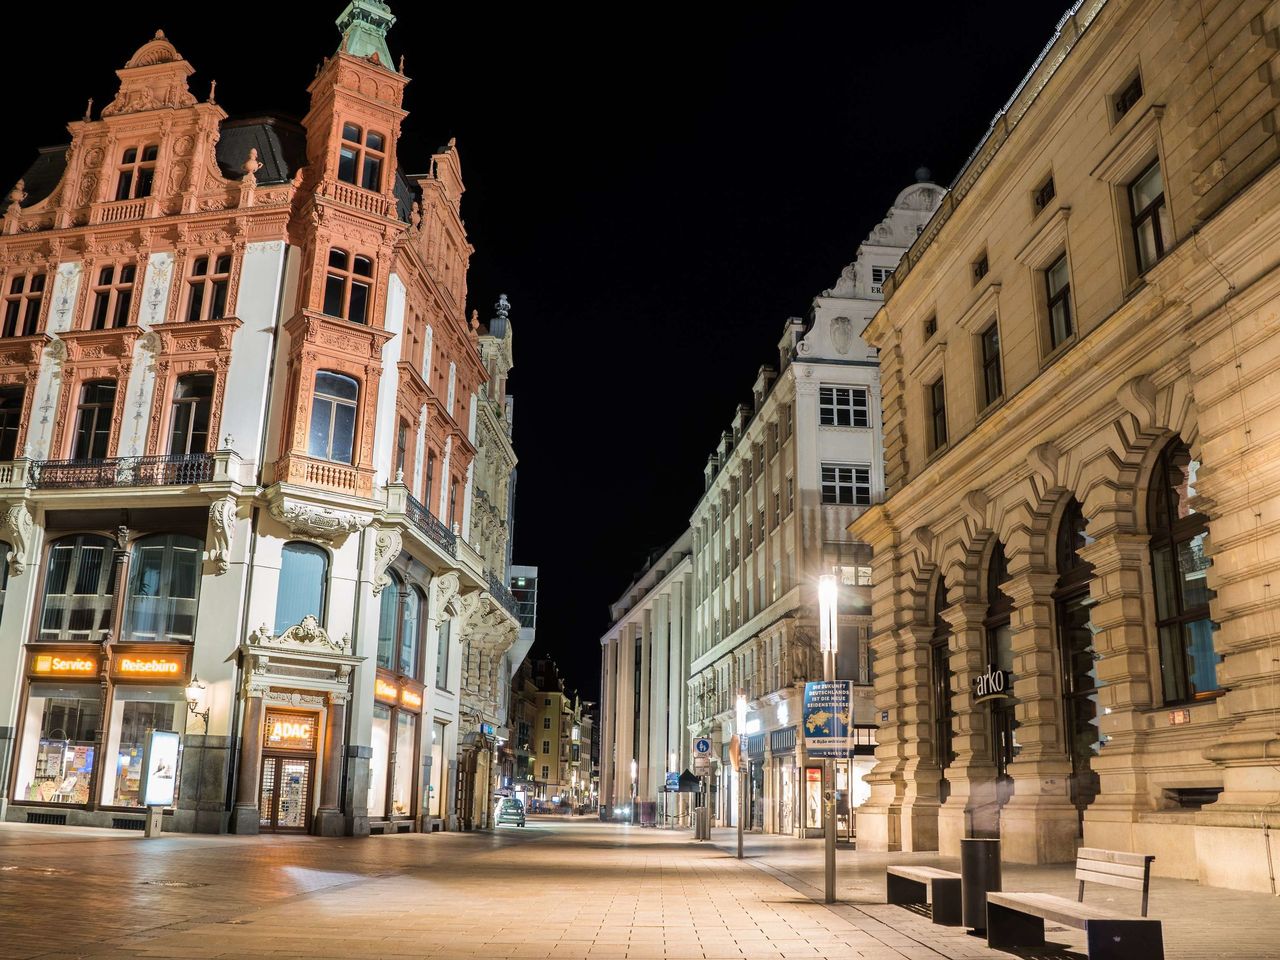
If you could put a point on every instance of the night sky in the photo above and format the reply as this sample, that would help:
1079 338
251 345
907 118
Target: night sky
656 188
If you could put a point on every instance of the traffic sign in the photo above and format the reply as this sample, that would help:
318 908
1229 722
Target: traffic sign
702 747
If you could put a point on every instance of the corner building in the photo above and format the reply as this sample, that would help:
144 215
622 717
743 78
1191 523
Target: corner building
238 391
1074 628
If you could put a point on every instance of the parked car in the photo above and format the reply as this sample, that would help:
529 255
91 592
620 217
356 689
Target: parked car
511 811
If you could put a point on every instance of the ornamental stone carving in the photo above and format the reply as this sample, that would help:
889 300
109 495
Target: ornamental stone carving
307 635
316 522
446 590
222 529
18 528
385 549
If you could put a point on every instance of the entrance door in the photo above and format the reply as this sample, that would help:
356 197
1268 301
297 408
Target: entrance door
284 804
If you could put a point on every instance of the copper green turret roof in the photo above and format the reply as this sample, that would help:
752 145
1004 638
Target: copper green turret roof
364 25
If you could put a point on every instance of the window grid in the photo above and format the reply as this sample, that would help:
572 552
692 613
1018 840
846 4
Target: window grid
1151 228
361 157
347 285
22 305
846 484
137 170
992 383
938 413
207 287
843 407
1058 292
113 296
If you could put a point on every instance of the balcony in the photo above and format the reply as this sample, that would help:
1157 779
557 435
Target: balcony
164 471
119 211
498 590
324 474
430 527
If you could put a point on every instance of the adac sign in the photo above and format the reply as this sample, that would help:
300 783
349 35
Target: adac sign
994 684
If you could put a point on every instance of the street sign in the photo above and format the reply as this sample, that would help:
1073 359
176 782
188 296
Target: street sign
702 764
828 718
673 781
702 747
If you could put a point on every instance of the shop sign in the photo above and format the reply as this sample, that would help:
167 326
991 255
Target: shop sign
828 718
488 729
290 731
162 769
64 665
411 698
149 667
994 684
385 691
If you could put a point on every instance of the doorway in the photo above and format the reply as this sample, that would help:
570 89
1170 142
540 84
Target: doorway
284 803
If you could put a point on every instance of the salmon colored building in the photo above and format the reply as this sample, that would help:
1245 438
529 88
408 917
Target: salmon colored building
237 400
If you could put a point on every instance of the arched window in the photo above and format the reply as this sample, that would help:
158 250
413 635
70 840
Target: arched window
410 634
388 621
1075 643
940 678
137 170
1188 663
77 590
304 583
189 415
164 583
999 634
333 417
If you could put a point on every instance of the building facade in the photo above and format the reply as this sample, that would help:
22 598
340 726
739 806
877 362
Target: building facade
239 402
1074 628
796 467
644 706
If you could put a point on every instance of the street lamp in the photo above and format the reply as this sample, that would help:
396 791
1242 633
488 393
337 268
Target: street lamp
828 593
195 695
741 723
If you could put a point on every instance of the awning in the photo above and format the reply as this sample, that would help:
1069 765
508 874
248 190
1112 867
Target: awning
689 783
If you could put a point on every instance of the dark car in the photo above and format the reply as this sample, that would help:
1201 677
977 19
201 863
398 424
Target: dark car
511 811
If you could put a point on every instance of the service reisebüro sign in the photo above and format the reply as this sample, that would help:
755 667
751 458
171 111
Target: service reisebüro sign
828 718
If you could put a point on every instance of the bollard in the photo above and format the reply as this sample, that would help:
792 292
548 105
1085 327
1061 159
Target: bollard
979 875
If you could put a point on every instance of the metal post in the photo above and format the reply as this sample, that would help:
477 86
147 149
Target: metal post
829 796
742 800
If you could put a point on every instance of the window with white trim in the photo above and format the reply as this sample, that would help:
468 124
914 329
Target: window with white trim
845 483
843 407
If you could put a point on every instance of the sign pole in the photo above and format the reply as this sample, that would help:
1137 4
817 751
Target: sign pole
829 827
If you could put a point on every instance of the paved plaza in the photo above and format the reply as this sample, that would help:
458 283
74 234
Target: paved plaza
565 889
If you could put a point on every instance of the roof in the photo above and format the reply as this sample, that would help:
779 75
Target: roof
42 176
281 146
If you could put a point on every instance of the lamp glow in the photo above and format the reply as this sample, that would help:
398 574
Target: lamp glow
635 768
741 713
828 590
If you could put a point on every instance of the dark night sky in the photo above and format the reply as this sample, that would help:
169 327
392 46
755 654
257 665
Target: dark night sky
655 197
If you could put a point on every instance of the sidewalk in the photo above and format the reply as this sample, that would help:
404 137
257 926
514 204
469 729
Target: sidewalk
1199 923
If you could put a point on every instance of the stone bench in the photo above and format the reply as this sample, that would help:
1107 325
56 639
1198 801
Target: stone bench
909 884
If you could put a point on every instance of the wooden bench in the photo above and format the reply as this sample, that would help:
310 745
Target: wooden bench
908 884
1017 919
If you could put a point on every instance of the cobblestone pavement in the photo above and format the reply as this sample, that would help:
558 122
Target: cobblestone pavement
564 889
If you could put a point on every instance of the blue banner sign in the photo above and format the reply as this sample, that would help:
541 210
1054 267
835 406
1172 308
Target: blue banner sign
673 781
828 718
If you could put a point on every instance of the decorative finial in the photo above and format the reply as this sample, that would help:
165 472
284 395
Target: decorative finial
251 166
17 194
213 88
400 475
415 215
160 35
402 63
228 442
88 110
475 319
503 307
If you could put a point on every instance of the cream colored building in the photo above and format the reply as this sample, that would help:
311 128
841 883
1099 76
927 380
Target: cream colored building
1080 359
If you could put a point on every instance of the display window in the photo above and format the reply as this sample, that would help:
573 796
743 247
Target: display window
786 795
381 749
406 764
436 804
813 798
60 733
135 713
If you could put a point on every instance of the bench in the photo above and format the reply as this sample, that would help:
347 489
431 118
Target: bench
907 884
1017 919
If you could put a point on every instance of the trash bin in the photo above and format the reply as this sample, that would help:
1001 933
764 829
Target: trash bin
979 875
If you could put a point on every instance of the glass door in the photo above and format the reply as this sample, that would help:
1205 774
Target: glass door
284 803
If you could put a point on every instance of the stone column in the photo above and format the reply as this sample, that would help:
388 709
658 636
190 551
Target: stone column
245 817
971 808
608 708
918 766
1039 823
329 820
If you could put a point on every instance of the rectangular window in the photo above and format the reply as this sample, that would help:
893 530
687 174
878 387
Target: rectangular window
546 745
22 305
777 509
402 445
93 420
880 274
546 722
1058 291
846 484
843 407
938 413
791 495
1128 97
930 327
981 267
112 296
442 655
992 383
1152 230
1044 195
207 288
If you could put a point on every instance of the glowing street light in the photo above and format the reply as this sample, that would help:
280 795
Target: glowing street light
829 634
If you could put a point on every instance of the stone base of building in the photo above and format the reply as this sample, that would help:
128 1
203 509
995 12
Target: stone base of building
356 792
329 823
919 825
246 820
878 828
1039 832
202 794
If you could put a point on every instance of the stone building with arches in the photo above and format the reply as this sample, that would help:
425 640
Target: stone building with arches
1076 636
238 393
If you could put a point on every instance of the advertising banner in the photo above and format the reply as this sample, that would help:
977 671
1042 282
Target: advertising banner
162 769
828 718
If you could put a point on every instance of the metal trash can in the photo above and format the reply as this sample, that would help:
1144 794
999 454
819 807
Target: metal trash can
979 875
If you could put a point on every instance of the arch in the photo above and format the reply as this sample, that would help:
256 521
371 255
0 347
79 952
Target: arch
304 584
164 588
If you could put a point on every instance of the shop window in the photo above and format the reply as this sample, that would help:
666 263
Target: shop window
59 737
93 420
22 305
135 712
1188 662
380 746
112 296
1152 229
189 414
137 171
442 654
347 285
10 420
207 287
435 805
304 583
361 157
1057 284
164 584
77 590
406 764
333 417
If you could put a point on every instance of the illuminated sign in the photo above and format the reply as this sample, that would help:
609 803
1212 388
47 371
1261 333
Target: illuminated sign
385 691
411 698
132 666
64 665
290 731
162 769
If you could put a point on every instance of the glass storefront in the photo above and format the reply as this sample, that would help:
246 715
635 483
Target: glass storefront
406 764
381 749
62 727
438 772
813 798
786 781
135 712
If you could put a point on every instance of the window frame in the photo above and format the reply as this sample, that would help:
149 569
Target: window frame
193 403
98 408
936 402
334 401
837 399
362 154
311 549
105 576
169 543
23 308
1054 298
111 302
990 364
145 160
348 277
1150 213
858 479
208 293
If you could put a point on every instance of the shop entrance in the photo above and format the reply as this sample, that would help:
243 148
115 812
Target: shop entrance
284 804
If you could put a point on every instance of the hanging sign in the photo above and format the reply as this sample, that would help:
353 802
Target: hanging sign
828 718
161 764
994 684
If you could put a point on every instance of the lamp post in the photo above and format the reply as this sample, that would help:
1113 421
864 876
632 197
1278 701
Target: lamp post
741 718
828 591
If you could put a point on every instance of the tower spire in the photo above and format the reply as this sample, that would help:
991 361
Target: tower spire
364 25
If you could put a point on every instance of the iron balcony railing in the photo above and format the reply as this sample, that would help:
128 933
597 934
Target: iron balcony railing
165 471
498 590
434 530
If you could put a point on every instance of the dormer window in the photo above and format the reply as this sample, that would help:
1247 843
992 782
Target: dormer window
361 156
347 285
207 287
137 171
